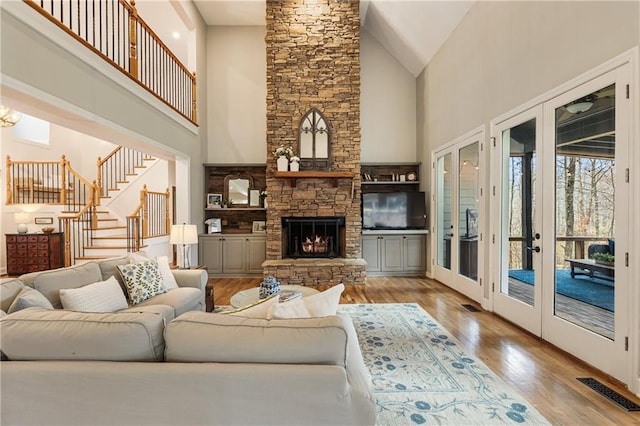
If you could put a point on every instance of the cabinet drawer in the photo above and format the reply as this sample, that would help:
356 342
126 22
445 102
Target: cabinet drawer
11 238
32 238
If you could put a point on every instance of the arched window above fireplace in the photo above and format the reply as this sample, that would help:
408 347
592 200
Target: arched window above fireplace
314 141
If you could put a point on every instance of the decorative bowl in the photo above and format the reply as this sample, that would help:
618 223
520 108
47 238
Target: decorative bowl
48 230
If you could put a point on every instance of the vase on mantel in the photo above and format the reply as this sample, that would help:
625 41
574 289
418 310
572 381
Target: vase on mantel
294 166
283 163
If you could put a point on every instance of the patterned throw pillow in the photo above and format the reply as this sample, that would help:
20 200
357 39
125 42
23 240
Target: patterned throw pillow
143 280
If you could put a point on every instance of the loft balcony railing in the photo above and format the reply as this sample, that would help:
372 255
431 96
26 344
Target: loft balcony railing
114 31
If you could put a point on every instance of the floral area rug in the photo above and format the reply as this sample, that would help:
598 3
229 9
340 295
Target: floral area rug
422 375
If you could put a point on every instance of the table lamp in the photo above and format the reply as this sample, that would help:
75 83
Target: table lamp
184 235
22 218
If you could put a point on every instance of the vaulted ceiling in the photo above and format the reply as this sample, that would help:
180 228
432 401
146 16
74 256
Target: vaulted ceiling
411 30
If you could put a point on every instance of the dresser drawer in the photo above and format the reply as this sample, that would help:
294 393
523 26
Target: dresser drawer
34 252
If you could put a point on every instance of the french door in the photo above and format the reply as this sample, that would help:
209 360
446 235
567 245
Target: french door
561 197
518 238
455 209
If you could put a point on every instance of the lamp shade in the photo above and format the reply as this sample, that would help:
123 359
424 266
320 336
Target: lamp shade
183 234
21 219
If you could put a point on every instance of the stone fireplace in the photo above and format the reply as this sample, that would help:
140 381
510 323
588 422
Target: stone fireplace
313 61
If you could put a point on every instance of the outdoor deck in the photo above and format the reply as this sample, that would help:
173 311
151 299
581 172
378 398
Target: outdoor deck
588 316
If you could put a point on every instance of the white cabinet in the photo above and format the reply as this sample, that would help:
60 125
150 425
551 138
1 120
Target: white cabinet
393 253
233 254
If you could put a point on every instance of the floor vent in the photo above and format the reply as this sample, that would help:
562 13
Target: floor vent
613 396
470 307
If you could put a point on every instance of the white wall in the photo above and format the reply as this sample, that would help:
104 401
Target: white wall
81 150
506 53
236 61
387 105
237 80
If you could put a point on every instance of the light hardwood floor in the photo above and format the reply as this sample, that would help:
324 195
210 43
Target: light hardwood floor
543 374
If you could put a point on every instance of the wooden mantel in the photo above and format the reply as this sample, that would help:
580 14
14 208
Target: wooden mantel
313 174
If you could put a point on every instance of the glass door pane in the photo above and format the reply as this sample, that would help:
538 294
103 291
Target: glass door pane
584 216
519 151
468 196
444 227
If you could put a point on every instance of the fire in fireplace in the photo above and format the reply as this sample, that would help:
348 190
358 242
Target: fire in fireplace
313 237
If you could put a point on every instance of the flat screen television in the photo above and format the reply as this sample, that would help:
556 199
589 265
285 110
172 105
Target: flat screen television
394 210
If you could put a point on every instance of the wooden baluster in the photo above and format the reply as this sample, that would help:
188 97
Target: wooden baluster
99 181
167 224
63 180
67 242
194 109
9 191
145 212
133 49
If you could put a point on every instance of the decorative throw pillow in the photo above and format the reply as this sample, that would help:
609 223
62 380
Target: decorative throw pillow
295 308
326 303
29 298
143 280
259 309
163 266
103 296
317 305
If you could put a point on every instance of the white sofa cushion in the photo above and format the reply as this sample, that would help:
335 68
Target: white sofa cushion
29 298
206 337
41 334
181 299
51 282
143 280
9 290
103 296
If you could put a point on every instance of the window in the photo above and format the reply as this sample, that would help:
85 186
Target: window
32 129
314 141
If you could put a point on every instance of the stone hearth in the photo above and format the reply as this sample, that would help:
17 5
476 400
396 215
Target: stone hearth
313 61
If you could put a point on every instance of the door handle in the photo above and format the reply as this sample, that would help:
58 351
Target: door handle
536 249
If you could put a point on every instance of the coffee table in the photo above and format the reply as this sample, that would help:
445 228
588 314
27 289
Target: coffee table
252 295
607 272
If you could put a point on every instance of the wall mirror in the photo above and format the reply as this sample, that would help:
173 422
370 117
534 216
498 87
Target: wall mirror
236 189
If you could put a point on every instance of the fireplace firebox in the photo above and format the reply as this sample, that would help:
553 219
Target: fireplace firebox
313 237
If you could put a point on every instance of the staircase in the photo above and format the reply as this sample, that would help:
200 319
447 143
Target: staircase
110 233
110 216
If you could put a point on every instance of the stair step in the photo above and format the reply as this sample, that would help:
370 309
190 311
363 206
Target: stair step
112 237
94 247
107 227
122 181
149 159
107 219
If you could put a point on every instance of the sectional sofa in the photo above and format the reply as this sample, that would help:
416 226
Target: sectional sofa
168 362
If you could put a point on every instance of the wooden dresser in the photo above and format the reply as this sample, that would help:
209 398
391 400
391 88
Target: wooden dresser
34 252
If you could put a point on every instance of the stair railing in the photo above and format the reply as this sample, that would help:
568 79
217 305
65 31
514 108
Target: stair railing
79 226
116 167
149 219
113 30
46 182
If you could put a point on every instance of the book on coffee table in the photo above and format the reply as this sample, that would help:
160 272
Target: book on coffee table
286 295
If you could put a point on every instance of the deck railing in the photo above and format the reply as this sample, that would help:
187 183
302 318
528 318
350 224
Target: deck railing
113 30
